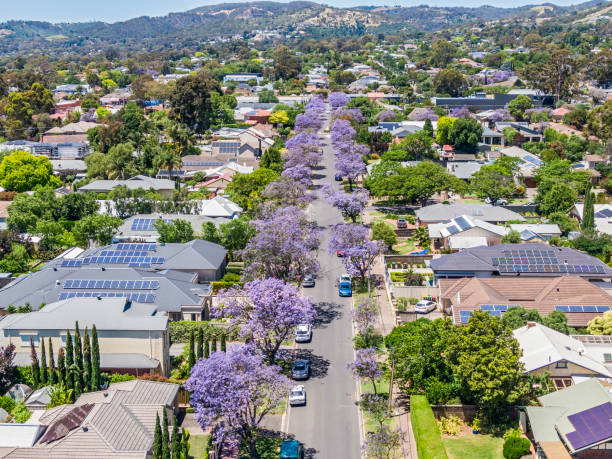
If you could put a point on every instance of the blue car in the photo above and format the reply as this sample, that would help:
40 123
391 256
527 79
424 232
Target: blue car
345 289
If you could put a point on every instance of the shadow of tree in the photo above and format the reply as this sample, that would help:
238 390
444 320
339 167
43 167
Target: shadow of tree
319 365
326 313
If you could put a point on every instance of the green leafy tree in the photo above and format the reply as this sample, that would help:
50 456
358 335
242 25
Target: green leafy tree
211 233
560 198
207 348
21 171
178 231
87 364
442 53
176 440
200 348
61 367
168 160
69 361
428 128
588 213
601 325
267 97
495 181
245 189
286 65
513 237
421 236
52 371
519 105
95 360
192 352
78 361
381 231
223 343
100 228
485 360
120 161
236 234
191 101
509 135
449 81
465 134
517 317
443 132
600 121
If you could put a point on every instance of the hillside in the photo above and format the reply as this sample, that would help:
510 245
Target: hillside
227 19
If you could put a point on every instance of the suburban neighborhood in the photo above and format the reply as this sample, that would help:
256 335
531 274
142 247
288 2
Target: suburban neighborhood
293 230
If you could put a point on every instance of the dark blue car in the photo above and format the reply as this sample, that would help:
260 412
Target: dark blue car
345 289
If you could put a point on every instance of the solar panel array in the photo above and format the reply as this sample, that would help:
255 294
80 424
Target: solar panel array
123 253
112 284
146 224
131 260
497 307
202 163
137 246
67 423
137 297
494 310
539 261
592 426
533 160
603 213
71 263
463 223
581 308
227 147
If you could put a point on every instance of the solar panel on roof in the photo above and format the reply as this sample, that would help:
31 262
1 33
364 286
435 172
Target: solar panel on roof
112 284
146 224
591 426
463 223
562 308
132 296
71 263
132 246
68 422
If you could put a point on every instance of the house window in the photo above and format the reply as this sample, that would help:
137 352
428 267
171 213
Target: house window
194 317
607 358
63 338
561 364
26 337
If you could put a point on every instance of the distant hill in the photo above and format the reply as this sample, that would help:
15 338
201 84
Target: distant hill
227 19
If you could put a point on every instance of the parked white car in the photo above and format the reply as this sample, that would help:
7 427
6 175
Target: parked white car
425 306
303 333
297 396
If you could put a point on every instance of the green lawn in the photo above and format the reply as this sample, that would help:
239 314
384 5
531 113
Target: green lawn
404 247
474 446
197 445
426 432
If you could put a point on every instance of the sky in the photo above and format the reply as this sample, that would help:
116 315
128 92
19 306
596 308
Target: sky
119 10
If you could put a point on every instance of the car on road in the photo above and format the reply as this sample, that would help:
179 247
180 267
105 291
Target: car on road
498 202
338 177
425 306
345 278
297 395
300 369
402 223
303 333
345 289
291 449
340 253
308 281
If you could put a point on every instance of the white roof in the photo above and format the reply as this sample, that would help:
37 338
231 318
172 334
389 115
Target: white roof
19 435
465 223
538 228
219 207
457 243
542 346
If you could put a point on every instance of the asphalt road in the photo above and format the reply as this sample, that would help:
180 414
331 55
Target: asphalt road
328 425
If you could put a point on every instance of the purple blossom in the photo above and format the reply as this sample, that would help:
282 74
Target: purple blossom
308 121
303 141
350 165
422 115
365 315
286 191
307 158
267 311
284 246
232 391
350 204
359 252
338 99
300 173
303 149
366 366
342 131
351 114
316 105
460 112
386 115
501 114
381 443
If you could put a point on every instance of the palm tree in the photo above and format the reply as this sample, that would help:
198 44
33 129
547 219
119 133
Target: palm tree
168 160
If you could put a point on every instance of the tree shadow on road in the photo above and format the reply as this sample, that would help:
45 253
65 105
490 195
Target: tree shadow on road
326 313
309 452
319 366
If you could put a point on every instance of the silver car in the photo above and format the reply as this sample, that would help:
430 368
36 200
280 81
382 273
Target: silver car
297 395
303 333
425 306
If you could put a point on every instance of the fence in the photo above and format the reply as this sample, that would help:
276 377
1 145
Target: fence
407 259
400 291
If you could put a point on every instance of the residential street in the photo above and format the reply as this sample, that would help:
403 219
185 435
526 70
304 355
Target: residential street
328 425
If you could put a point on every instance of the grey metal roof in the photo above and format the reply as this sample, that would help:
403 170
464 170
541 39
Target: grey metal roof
129 361
446 212
127 233
133 183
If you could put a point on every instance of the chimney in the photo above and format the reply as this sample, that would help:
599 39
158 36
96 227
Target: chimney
531 324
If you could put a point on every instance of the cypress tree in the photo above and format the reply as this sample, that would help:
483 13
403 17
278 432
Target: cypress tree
223 343
185 444
69 361
86 361
157 439
165 438
95 360
35 367
43 363
207 348
176 441
200 353
52 372
191 350
588 213
61 367
214 345
78 357
428 128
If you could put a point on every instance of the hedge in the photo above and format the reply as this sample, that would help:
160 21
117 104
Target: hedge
426 433
221 285
180 330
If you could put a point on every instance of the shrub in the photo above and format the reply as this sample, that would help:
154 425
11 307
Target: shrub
20 413
450 425
223 285
231 277
516 447
402 304
180 330
115 377
7 403
413 300
426 433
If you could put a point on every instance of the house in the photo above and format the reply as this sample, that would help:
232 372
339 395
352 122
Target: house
116 99
573 422
164 187
442 213
72 132
528 164
69 167
175 277
463 169
603 216
132 335
578 298
464 232
539 231
118 422
566 359
53 150
516 260
481 101
593 160
259 116
525 132
132 229
72 89
242 77
558 113
4 214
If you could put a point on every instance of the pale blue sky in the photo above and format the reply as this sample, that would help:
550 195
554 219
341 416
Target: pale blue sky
117 10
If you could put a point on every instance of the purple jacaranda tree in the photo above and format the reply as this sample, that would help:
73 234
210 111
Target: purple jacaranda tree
501 114
350 114
232 391
303 141
386 115
366 366
350 204
460 112
315 105
365 315
381 443
308 158
301 173
342 131
284 246
338 99
308 121
285 191
266 311
349 162
422 115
